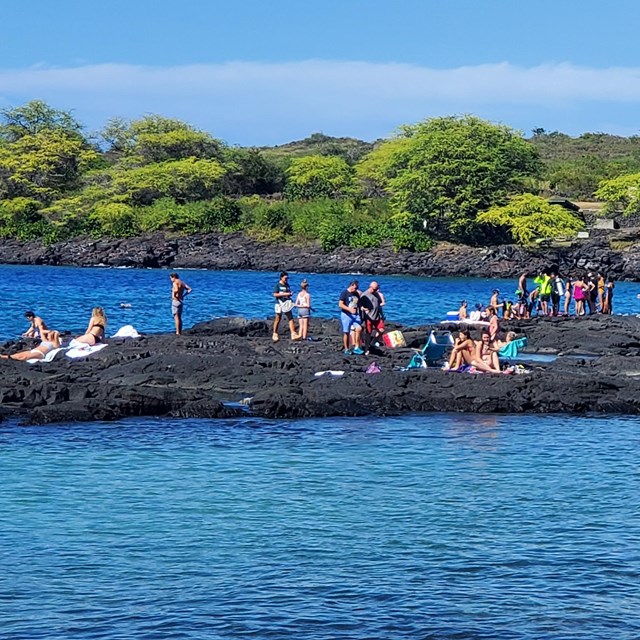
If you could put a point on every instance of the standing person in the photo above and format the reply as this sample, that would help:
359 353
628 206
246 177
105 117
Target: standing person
543 280
303 304
591 294
96 329
462 311
349 303
607 299
371 303
494 323
284 306
37 326
522 284
600 295
568 289
579 287
179 290
557 291
495 300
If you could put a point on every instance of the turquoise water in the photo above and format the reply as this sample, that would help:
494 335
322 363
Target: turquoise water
64 296
434 526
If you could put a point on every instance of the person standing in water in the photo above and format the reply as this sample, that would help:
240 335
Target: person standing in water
179 290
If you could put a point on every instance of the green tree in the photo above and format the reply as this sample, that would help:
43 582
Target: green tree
621 194
319 177
157 139
451 168
183 180
43 165
527 218
34 118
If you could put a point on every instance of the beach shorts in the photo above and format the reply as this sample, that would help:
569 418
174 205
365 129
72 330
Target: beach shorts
377 325
545 297
176 308
304 312
348 322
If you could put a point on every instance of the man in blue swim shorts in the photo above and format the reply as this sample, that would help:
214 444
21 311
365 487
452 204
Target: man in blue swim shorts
349 304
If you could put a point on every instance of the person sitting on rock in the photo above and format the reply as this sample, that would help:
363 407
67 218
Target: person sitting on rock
463 352
349 305
50 341
486 356
37 325
96 330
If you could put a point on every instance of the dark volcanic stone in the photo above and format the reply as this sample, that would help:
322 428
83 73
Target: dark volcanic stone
233 360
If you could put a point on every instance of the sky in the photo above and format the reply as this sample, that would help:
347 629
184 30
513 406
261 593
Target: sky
258 72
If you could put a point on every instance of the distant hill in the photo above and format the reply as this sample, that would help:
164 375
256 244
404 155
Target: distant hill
351 149
556 146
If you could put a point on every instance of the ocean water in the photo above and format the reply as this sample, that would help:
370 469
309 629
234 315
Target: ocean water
432 526
64 296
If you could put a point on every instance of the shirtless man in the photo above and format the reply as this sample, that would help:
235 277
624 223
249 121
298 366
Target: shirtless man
37 328
179 290
522 284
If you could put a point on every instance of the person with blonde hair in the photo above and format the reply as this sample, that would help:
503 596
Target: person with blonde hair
303 305
95 332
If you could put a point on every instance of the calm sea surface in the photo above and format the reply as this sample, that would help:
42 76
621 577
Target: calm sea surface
433 526
64 296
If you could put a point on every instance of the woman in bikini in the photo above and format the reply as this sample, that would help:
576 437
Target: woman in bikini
96 330
50 341
463 351
486 357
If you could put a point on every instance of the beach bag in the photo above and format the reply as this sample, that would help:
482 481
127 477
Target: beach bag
393 339
373 368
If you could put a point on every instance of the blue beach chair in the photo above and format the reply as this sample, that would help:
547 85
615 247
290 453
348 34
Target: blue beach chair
432 354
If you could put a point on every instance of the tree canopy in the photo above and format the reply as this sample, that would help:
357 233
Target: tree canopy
447 170
451 178
527 218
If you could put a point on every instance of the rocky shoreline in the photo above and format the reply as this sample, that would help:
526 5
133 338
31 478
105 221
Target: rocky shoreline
619 257
230 366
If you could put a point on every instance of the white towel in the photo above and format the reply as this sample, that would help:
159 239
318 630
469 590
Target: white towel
333 374
81 350
126 332
48 357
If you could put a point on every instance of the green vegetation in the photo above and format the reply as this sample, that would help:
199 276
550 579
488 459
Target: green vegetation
527 218
621 194
460 179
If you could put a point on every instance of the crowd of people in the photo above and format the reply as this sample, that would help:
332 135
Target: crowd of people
552 295
362 317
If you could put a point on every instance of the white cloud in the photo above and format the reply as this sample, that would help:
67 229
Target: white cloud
263 103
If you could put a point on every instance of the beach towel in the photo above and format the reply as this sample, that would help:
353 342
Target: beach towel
48 356
333 374
128 331
81 350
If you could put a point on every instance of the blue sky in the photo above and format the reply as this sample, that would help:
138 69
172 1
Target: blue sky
258 72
